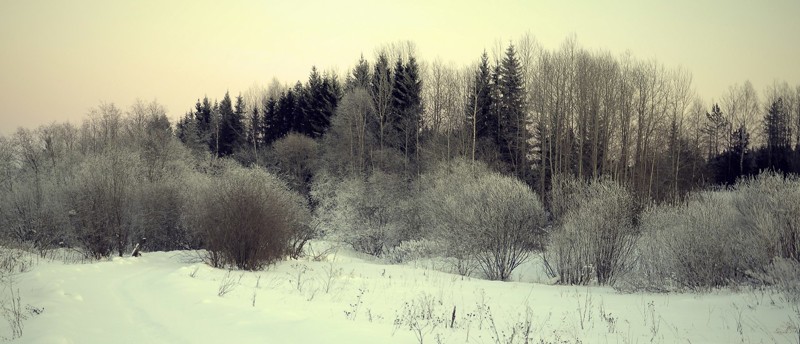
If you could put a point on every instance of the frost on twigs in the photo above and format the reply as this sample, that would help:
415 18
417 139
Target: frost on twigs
483 216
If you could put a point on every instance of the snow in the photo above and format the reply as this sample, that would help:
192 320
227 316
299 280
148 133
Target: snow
171 297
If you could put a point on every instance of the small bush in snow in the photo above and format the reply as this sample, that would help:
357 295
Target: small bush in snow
720 238
770 211
483 215
248 218
410 250
371 215
696 246
596 234
101 202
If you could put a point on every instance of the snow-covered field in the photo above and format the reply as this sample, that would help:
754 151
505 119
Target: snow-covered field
171 297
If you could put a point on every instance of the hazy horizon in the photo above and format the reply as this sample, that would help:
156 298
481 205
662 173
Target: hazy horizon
62 58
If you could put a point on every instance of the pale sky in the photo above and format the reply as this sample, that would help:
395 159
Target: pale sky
60 58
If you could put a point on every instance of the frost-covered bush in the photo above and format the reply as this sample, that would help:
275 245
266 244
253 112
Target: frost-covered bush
482 215
697 245
101 199
720 238
596 233
247 218
372 214
785 275
410 250
769 207
33 213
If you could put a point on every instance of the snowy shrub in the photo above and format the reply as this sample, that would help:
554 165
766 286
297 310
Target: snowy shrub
769 207
478 214
785 275
720 238
371 215
410 250
101 201
596 234
33 213
248 218
697 245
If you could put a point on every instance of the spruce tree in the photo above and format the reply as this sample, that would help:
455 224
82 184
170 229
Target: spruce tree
284 115
360 76
297 117
398 104
485 125
412 114
204 121
271 128
777 128
230 125
254 129
513 118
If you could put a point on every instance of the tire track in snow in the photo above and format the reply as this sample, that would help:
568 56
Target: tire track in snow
128 292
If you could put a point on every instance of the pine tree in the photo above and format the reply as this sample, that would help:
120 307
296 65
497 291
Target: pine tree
714 130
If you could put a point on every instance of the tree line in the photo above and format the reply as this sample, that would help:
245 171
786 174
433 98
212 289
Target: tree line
577 154
525 111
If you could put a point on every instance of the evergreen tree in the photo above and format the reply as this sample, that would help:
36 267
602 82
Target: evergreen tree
735 162
481 101
394 132
272 127
254 129
284 116
406 108
513 118
360 76
187 132
232 134
714 130
204 121
318 104
296 116
777 127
